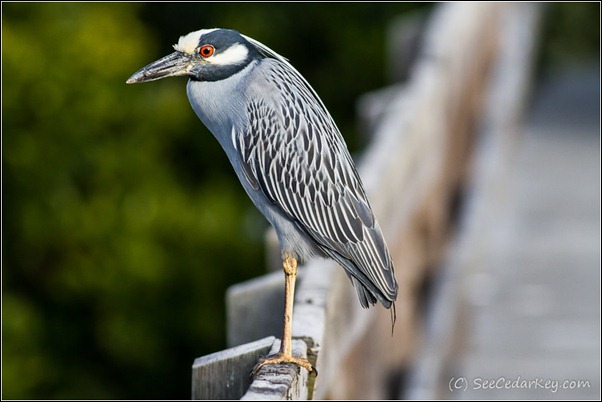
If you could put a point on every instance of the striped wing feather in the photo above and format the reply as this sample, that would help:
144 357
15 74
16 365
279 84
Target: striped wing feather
294 152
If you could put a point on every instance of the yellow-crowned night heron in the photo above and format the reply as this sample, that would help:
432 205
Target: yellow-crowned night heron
290 158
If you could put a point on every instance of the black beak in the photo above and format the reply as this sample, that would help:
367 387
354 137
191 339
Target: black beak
175 64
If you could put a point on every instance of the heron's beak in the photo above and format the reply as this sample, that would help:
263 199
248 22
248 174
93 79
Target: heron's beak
175 64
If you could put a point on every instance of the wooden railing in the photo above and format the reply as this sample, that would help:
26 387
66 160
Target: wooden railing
415 172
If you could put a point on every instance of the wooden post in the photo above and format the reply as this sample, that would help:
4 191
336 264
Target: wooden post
255 309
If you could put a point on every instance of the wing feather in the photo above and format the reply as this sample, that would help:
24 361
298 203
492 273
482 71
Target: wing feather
293 151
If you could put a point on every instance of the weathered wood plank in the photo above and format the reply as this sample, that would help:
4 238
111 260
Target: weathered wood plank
281 381
255 309
225 374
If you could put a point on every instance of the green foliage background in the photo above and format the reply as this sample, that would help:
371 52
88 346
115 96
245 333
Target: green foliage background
123 223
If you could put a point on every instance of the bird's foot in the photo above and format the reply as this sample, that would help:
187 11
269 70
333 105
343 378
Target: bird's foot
280 358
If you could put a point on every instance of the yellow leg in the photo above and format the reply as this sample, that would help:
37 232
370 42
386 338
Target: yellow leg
285 354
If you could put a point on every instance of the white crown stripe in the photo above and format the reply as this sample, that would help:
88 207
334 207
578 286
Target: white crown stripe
188 43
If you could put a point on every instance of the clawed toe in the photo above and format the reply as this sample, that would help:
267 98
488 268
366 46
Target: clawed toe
280 358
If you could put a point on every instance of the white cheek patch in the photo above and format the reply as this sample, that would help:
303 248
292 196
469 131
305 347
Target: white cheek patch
235 54
188 43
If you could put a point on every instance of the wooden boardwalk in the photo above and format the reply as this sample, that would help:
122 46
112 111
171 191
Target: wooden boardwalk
522 291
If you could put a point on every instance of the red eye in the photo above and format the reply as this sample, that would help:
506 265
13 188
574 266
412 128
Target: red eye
206 51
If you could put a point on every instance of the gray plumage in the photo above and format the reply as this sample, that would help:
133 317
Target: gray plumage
287 152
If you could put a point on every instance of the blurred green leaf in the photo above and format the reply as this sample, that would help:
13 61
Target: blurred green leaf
114 267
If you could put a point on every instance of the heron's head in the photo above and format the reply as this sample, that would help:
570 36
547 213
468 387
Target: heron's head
205 55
